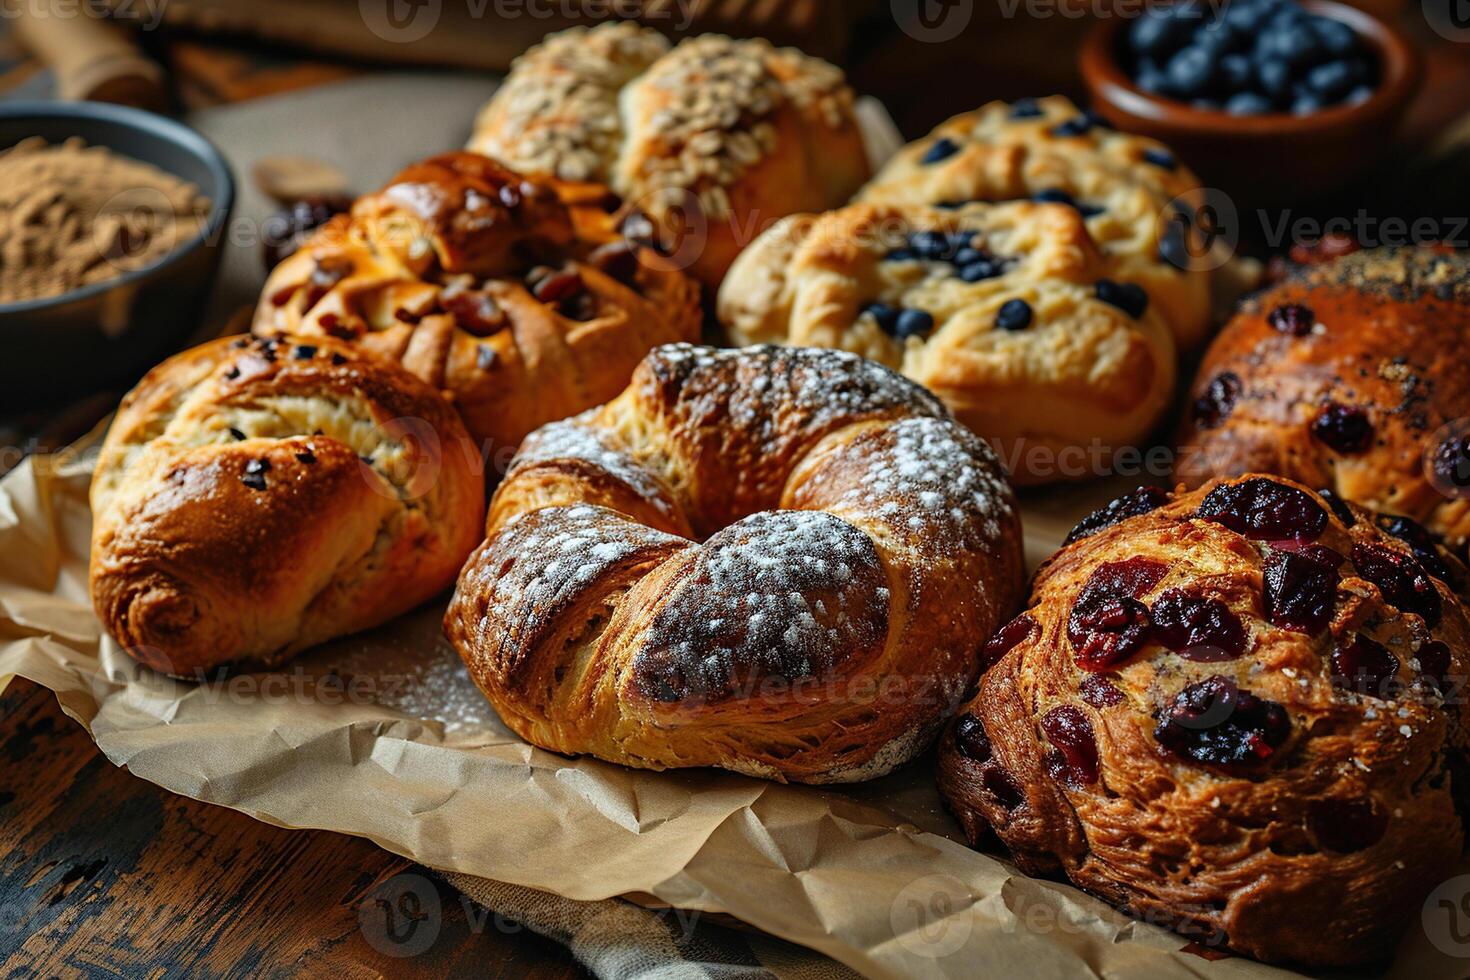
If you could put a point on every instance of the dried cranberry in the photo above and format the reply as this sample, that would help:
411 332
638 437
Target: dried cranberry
1216 723
1214 406
1346 826
1451 464
1301 590
1131 504
1339 507
1107 623
1264 510
1434 663
557 286
1364 666
1423 542
970 738
1197 627
1000 784
1402 581
1099 692
285 231
1075 761
1343 429
618 259
474 312
1009 636
1293 319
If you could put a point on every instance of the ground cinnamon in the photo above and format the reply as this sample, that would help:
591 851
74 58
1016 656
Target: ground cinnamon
72 215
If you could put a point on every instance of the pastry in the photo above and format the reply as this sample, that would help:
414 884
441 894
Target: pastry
255 497
1137 198
518 298
1236 711
713 138
1005 311
1349 376
781 562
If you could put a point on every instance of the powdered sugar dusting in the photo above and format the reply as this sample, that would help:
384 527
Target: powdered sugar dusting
575 439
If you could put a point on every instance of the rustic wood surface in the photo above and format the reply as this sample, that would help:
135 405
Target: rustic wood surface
105 875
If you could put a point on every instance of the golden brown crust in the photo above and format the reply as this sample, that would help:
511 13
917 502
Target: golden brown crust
1305 802
1386 339
255 497
715 139
1124 185
1057 396
856 546
520 299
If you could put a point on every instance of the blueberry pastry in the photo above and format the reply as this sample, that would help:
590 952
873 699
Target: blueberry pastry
1008 312
1137 198
525 301
1350 376
1237 712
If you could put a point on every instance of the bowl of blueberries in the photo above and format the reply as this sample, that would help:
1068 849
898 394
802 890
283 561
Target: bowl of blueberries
1274 99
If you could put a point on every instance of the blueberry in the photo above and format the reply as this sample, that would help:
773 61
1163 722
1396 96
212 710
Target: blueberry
1236 73
1275 78
1026 109
887 316
1076 126
913 323
1330 81
1192 70
1294 45
1360 94
984 269
1174 246
1160 158
1157 34
1246 17
943 149
1247 104
1337 38
902 255
1305 103
968 256
932 245
1126 296
1055 195
1014 314
1153 81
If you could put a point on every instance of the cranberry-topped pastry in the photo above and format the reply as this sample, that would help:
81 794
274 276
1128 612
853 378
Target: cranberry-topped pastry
526 301
1236 711
1349 376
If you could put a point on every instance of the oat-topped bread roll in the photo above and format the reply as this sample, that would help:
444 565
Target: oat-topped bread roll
714 138
1005 311
255 497
519 298
781 562
1049 150
1238 712
1350 376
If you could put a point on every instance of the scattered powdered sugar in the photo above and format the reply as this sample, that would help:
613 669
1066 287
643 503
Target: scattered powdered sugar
778 596
574 438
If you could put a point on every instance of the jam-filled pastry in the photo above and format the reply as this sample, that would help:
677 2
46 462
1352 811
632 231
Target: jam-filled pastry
1141 204
777 561
519 298
1349 376
1006 311
1237 711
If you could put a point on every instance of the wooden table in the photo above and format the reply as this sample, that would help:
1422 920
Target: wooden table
105 875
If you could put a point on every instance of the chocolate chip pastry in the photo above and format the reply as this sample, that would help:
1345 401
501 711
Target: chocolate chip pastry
1238 712
523 300
777 561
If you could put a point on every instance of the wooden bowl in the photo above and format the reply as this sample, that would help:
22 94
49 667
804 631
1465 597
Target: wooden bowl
1275 158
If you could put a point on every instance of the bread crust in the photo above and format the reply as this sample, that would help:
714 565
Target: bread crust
446 270
1386 338
1083 378
255 497
779 562
715 138
1321 844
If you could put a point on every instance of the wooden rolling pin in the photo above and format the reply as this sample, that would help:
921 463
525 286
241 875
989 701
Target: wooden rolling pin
91 58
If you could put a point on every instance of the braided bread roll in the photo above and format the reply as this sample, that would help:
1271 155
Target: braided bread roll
780 562
1238 712
714 138
519 299
256 497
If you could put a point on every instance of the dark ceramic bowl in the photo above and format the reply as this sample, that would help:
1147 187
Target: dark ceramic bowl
1277 158
108 332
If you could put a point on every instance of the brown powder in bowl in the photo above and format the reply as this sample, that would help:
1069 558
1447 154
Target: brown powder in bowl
72 215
